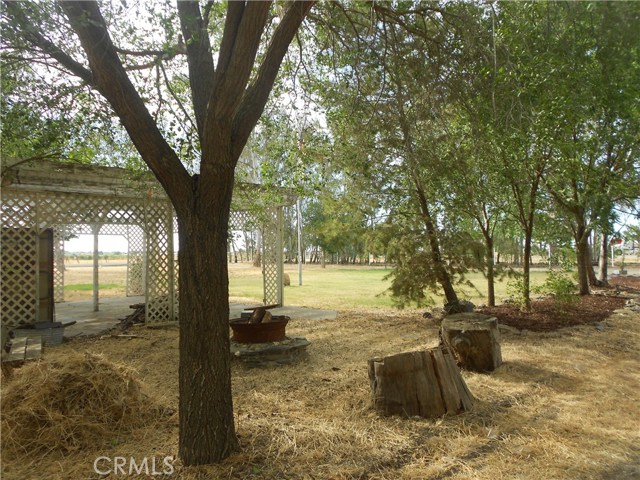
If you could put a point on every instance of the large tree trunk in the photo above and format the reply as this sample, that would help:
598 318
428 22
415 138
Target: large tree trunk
603 263
206 409
526 270
583 258
491 292
591 274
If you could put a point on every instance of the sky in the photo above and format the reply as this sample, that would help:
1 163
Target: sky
106 243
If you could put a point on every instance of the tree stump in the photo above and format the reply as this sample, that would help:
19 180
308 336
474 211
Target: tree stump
474 339
424 383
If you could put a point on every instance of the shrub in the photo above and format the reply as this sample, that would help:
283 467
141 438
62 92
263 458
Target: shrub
560 283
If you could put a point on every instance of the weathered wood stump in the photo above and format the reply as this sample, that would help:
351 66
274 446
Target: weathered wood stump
424 383
474 339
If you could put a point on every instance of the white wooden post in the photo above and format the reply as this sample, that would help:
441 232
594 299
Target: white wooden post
279 259
96 284
299 224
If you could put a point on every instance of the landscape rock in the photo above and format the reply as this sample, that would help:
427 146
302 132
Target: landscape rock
267 354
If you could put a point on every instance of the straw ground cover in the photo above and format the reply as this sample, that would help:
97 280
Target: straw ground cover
564 405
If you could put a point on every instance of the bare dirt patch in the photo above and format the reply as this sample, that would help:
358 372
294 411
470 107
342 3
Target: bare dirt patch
626 283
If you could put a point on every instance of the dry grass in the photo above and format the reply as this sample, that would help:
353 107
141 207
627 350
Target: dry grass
563 406
82 273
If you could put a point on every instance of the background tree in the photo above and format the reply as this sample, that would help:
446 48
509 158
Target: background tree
401 155
596 164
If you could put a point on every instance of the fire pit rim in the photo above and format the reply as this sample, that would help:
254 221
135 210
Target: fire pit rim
272 331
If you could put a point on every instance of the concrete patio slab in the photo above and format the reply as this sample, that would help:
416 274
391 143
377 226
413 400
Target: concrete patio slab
89 322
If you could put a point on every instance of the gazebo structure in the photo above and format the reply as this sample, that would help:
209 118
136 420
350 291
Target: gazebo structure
43 203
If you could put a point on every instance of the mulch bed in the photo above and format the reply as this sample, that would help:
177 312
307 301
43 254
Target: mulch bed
545 315
627 283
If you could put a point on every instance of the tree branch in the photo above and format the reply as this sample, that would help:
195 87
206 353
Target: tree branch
256 95
112 81
207 12
235 11
177 99
233 75
201 68
32 35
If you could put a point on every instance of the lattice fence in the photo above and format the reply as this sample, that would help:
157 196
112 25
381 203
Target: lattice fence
160 264
58 264
241 220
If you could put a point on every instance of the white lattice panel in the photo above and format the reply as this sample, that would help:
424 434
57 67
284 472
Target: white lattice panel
18 210
270 261
19 256
19 295
71 209
241 220
160 275
76 214
58 265
135 261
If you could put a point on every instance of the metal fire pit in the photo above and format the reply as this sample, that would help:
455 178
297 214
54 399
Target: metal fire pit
272 331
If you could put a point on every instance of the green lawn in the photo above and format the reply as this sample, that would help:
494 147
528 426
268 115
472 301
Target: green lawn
340 287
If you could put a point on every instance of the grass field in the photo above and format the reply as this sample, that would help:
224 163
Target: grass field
336 286
348 287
